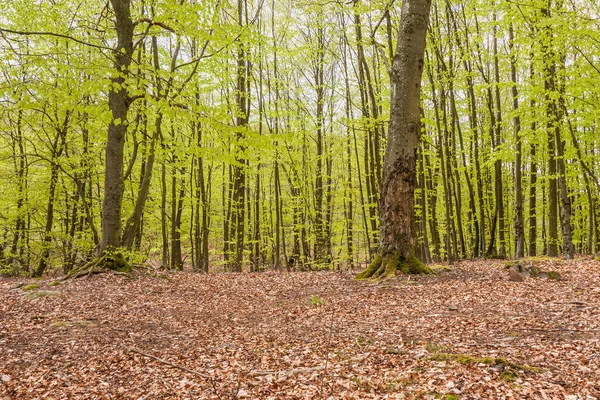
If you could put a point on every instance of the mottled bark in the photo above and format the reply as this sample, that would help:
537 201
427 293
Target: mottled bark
396 238
118 103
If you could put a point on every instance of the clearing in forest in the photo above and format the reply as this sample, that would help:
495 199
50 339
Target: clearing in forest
467 333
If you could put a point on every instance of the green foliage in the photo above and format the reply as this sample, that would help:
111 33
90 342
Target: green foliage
316 300
54 112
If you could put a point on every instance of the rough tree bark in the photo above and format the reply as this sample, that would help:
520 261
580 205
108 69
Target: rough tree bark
118 103
519 225
396 239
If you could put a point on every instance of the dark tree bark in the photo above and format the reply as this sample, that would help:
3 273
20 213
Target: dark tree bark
57 150
532 252
519 225
549 72
396 238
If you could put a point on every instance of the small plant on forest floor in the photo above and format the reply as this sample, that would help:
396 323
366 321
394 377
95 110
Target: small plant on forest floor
316 300
436 348
362 340
445 396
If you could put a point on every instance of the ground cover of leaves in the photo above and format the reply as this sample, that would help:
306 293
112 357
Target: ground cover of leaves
468 333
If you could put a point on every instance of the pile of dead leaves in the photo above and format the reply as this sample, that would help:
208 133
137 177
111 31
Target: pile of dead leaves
466 333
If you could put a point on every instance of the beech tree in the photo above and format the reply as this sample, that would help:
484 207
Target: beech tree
186 133
119 101
396 235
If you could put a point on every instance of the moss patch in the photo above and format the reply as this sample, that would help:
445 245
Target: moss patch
438 268
110 261
554 276
412 265
509 375
385 266
468 360
371 269
30 287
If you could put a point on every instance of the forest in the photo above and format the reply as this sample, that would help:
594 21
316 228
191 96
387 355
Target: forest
446 153
254 132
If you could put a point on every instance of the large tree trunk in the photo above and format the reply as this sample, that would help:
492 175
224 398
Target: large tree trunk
396 239
118 103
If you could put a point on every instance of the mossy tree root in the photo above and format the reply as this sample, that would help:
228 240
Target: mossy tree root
385 266
106 263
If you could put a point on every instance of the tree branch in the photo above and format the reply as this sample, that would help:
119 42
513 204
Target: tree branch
53 34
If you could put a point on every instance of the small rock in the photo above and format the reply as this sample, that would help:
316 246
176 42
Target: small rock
514 276
453 307
554 275
6 378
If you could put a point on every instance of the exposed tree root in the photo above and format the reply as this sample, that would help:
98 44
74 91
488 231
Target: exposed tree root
109 262
384 267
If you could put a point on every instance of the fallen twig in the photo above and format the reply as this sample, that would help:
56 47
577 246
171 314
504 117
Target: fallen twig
330 333
495 345
287 373
575 302
298 371
557 330
191 371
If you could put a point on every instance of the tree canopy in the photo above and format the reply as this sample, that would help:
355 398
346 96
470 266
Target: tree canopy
252 133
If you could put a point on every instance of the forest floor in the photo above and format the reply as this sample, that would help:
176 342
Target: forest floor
468 333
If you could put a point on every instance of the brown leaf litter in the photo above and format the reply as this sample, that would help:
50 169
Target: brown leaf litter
468 333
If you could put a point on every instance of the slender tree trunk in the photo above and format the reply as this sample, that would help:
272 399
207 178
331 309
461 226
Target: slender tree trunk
499 187
426 253
519 225
565 210
549 70
57 150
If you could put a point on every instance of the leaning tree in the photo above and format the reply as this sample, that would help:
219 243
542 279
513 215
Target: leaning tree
396 238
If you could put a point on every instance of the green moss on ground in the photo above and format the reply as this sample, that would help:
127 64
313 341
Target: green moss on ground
110 261
438 268
30 287
554 275
510 370
384 267
412 265
371 269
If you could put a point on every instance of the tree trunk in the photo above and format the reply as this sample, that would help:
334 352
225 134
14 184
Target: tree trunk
57 150
519 226
396 239
118 103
